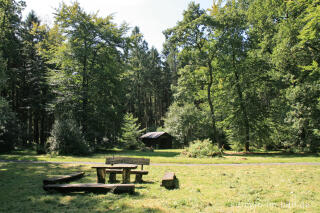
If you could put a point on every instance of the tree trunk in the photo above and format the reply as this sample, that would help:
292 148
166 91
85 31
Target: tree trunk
242 108
42 130
30 132
215 137
36 129
84 94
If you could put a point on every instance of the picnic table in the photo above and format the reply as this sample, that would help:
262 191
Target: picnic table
126 160
126 168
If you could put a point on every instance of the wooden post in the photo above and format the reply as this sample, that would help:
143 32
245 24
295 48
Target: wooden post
113 177
126 176
138 178
101 175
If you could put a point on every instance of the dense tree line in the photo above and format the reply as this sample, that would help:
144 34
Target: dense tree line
252 67
244 73
81 75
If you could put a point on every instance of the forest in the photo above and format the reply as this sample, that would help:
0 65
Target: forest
243 75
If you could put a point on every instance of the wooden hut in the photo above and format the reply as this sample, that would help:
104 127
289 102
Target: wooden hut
157 140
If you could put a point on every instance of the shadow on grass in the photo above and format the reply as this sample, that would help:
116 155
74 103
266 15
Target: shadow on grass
18 157
271 155
30 155
139 153
147 182
21 191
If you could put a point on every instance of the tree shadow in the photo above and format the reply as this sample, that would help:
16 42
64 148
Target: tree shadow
18 156
271 155
147 182
139 153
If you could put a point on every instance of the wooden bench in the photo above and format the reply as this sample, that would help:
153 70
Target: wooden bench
90 187
126 160
63 178
169 180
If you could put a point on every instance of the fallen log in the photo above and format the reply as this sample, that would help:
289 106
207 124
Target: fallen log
169 180
63 178
90 187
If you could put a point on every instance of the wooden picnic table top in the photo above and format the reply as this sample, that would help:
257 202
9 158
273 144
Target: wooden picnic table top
117 166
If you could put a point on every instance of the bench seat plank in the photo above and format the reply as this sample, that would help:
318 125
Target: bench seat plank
91 187
168 176
127 160
63 178
119 171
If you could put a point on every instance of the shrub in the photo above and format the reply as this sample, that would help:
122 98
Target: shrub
67 138
187 123
202 148
236 146
143 148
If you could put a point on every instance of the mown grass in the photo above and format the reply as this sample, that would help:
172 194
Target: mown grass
276 188
172 156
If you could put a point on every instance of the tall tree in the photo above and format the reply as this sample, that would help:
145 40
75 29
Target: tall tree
237 73
11 63
194 36
147 90
89 65
35 92
284 34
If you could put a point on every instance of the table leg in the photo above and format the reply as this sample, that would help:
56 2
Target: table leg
101 175
113 177
126 176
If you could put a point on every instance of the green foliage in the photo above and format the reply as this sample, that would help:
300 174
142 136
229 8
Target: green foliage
193 37
186 123
147 82
2 71
87 54
67 139
130 133
247 71
290 48
258 61
202 148
9 128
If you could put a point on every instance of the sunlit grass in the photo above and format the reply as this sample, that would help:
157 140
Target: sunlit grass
279 188
171 156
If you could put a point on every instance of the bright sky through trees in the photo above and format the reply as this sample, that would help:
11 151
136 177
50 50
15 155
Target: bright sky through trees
151 16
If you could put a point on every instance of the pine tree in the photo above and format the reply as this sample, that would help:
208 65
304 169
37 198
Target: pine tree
130 132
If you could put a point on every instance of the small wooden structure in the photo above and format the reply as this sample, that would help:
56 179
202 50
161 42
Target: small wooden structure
157 140
90 187
169 180
126 160
63 178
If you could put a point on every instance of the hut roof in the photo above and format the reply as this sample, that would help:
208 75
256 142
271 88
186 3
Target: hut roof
153 135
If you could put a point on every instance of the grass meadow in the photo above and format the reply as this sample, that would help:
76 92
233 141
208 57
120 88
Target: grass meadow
202 188
171 156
